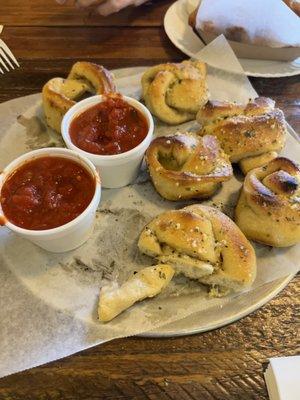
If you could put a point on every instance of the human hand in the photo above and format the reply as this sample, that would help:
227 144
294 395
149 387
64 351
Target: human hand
105 7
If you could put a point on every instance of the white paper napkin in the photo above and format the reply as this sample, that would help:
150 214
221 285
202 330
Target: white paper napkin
283 378
266 23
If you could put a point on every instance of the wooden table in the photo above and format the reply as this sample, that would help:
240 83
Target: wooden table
224 364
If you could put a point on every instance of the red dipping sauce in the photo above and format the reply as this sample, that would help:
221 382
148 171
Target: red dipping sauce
46 193
110 127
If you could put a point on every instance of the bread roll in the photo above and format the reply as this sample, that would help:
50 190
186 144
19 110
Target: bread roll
243 131
59 94
268 209
235 33
201 243
184 166
175 92
249 163
147 282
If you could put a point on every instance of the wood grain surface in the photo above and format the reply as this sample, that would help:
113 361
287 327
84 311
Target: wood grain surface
227 363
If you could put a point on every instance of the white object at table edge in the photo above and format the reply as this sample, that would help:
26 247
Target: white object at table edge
282 378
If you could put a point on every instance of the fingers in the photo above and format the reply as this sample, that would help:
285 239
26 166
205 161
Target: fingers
139 2
105 7
113 6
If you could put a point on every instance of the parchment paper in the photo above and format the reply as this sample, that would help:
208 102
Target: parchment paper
261 22
48 301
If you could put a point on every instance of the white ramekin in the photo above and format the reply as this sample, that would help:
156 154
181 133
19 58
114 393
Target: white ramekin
115 170
72 234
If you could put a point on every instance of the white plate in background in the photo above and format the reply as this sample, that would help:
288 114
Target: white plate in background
182 36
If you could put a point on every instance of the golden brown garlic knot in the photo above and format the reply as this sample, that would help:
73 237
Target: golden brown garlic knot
201 243
175 92
268 209
250 134
184 166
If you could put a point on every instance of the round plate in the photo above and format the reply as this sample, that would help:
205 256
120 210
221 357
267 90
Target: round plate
182 36
206 320
221 316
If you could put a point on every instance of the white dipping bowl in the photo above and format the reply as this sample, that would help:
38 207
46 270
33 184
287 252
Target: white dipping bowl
70 235
115 170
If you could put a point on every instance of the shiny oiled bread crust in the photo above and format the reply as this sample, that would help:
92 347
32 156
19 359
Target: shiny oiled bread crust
59 94
244 130
184 166
100 79
205 234
217 110
55 103
268 209
249 163
175 92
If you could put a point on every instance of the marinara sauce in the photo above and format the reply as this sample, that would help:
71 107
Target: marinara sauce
110 127
46 193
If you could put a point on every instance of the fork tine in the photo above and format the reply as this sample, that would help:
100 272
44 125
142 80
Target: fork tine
3 64
7 50
3 54
1 70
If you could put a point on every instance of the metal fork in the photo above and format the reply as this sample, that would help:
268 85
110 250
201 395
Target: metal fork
7 59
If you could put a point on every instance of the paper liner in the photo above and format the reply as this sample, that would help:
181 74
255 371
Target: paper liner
48 301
